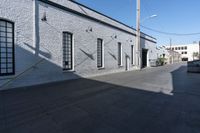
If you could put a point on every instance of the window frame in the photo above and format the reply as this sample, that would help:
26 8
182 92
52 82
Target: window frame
72 50
120 62
132 55
12 48
102 53
185 47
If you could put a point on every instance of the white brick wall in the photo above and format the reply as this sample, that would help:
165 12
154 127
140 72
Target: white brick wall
50 42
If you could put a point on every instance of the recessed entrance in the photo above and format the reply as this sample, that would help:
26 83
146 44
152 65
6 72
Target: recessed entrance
144 57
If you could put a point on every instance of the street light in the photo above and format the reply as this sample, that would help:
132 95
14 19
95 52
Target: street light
138 47
149 17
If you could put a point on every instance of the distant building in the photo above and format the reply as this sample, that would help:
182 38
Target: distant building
187 51
161 51
169 55
172 57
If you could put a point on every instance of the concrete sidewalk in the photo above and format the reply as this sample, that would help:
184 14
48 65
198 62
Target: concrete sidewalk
158 100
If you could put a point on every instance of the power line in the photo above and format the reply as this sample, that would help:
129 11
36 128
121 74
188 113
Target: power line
170 33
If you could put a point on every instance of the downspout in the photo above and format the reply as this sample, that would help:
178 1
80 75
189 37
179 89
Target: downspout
36 37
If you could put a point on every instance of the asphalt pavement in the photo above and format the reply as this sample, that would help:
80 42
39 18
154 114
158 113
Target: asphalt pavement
155 100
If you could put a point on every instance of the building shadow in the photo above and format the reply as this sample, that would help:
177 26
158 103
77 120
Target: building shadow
40 52
88 54
32 69
185 101
112 55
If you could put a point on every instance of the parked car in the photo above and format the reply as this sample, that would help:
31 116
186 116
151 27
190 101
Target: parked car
193 66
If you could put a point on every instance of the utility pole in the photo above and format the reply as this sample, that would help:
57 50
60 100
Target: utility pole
138 47
170 42
199 50
172 51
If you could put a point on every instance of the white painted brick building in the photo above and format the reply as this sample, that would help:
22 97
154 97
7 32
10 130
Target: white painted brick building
186 51
53 40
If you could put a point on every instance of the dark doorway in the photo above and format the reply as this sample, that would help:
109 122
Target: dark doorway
144 58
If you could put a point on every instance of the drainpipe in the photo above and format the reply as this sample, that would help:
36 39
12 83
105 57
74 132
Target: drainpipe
35 27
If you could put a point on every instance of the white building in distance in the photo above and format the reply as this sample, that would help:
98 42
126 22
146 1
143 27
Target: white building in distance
170 56
187 51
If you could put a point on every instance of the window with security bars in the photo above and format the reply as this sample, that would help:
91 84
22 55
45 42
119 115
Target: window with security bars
119 54
6 48
99 53
132 54
67 51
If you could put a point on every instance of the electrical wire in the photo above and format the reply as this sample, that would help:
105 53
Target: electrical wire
170 33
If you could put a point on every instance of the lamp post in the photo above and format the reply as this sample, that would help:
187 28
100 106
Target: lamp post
138 46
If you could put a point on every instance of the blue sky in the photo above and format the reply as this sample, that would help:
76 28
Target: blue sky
174 16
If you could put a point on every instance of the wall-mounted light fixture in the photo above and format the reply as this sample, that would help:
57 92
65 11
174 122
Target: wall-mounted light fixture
89 29
129 40
44 17
114 36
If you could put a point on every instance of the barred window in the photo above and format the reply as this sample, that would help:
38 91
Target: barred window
119 54
132 54
7 65
67 51
99 53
